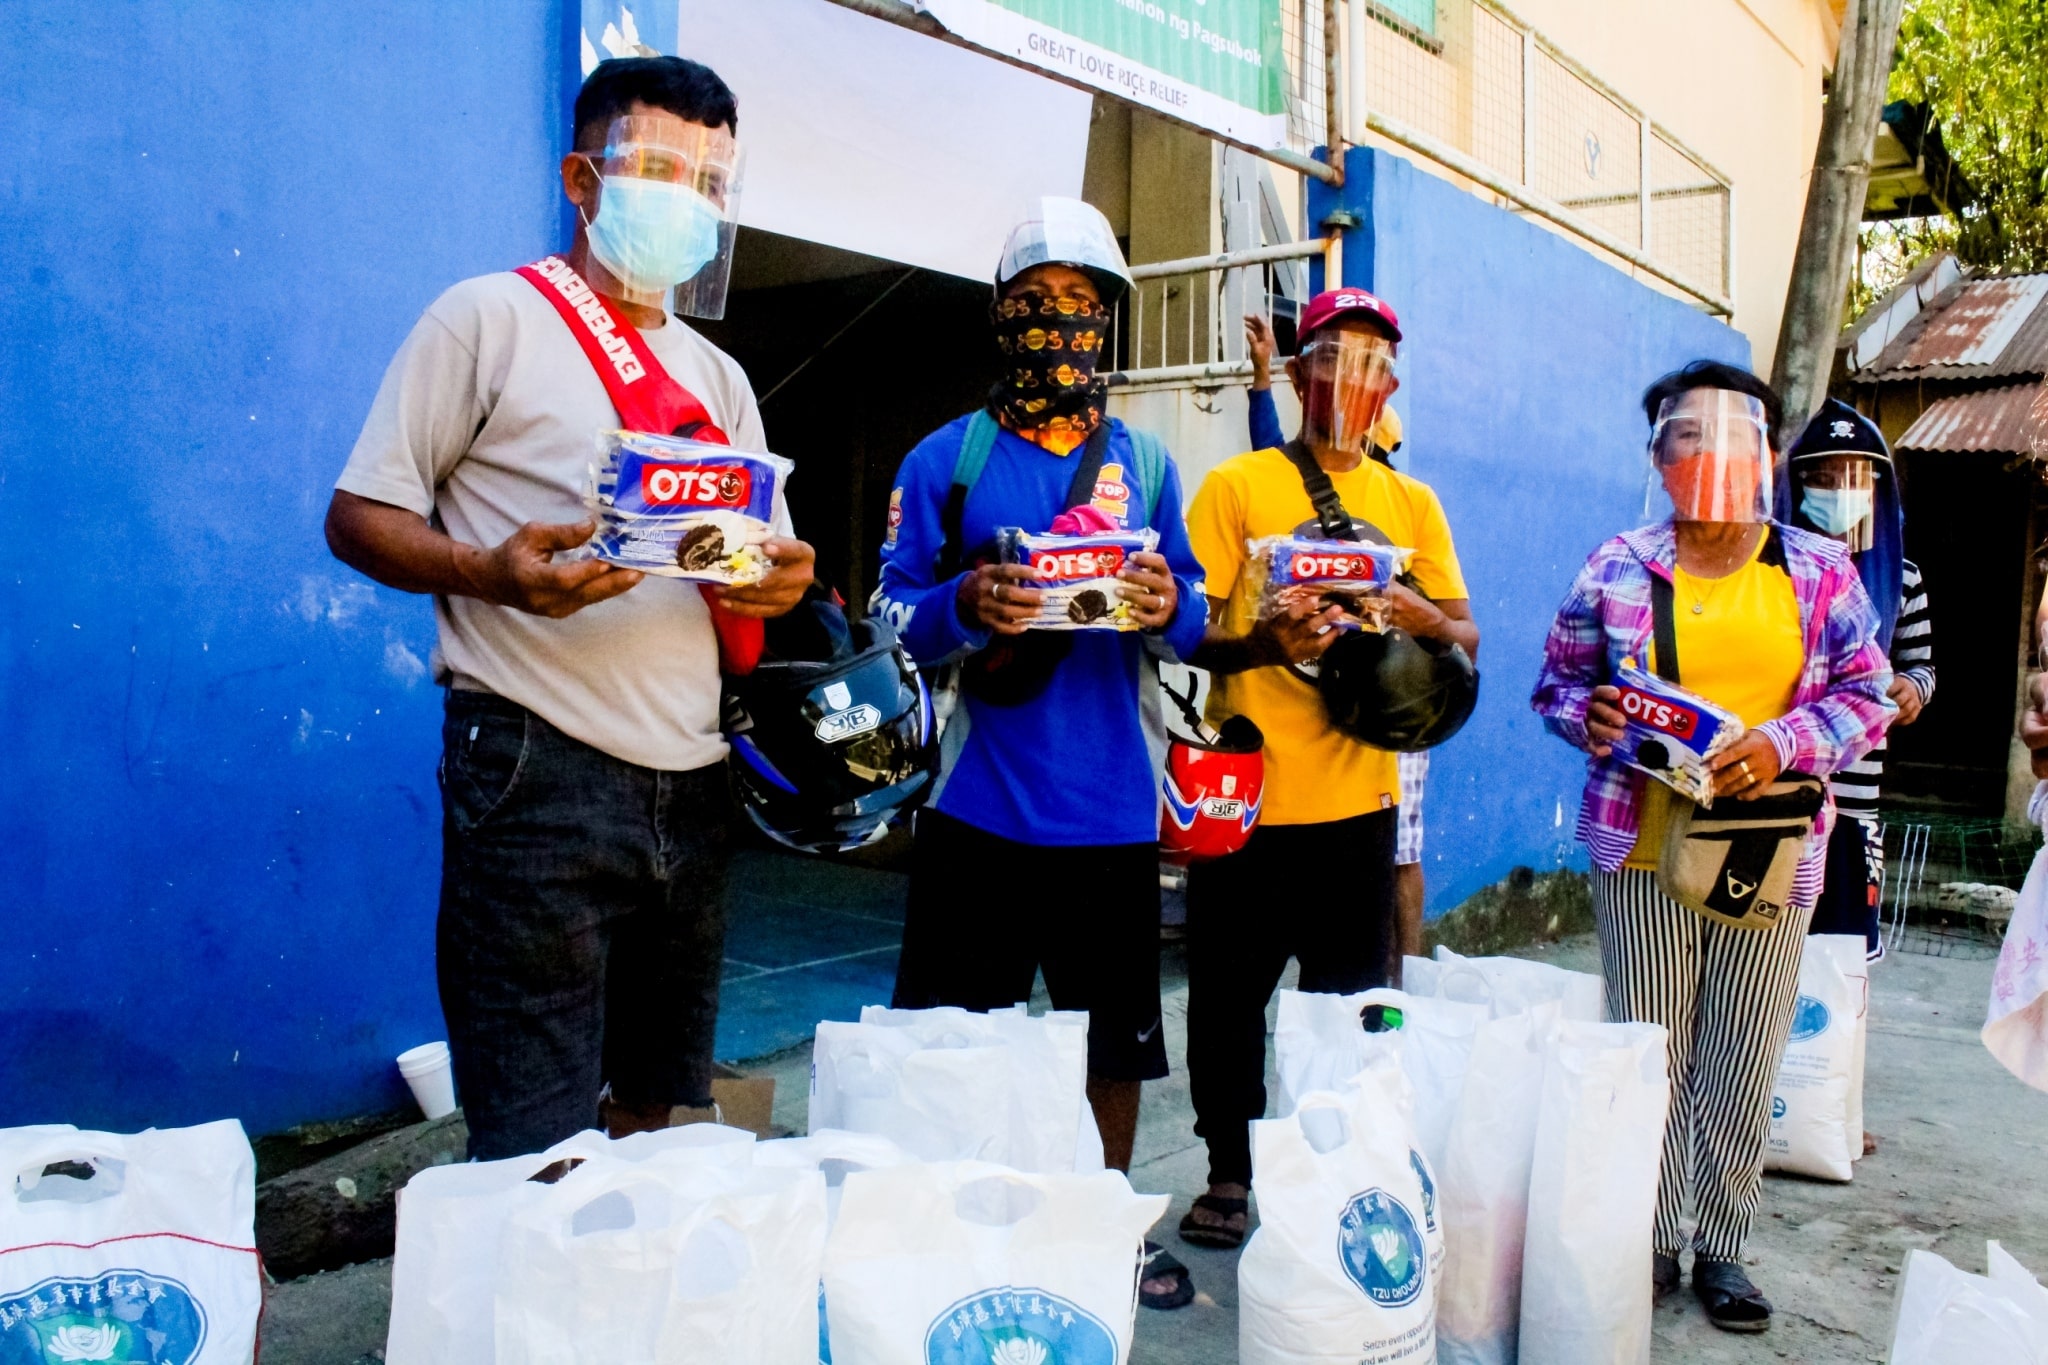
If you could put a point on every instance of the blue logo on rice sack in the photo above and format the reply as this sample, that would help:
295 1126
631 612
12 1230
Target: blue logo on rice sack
1428 1189
1809 1019
1777 1106
1012 1326
1381 1249
123 1317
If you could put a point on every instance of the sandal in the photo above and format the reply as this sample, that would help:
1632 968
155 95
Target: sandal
1664 1276
1159 1265
1216 1237
1733 1304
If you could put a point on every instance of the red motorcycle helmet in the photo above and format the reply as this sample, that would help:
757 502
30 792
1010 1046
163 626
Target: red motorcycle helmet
1213 786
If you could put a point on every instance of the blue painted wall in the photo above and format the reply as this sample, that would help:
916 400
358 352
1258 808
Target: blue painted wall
1521 376
218 823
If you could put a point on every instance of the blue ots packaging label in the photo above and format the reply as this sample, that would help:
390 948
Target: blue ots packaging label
1077 574
1671 733
683 509
1291 572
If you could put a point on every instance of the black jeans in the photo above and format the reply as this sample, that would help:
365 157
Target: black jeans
1322 893
582 926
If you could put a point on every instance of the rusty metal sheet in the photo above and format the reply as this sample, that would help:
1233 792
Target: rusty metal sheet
2012 419
1983 329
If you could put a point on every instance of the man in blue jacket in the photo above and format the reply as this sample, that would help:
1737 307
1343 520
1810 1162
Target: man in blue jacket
1039 849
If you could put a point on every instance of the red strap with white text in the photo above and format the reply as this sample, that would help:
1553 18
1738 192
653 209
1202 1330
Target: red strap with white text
648 399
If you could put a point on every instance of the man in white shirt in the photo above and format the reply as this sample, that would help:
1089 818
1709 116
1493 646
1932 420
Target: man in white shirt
586 817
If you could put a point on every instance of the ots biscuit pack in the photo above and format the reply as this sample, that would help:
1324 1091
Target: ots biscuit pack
1670 733
683 509
1077 574
1325 573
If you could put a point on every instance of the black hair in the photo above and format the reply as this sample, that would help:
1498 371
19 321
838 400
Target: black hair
687 89
1714 374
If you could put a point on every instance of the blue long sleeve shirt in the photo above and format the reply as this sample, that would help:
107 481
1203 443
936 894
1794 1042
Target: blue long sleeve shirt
1079 763
1264 419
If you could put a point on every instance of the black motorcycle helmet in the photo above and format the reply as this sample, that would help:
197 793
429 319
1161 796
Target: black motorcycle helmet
1393 691
833 737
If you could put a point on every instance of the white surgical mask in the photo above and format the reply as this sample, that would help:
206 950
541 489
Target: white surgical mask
652 234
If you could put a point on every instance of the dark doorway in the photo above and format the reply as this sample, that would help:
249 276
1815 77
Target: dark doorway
854 360
1966 527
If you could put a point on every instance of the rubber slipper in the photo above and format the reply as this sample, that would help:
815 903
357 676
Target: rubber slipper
1159 1264
1733 1304
1212 1235
1664 1275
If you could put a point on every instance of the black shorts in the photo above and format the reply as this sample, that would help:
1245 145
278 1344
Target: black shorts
987 913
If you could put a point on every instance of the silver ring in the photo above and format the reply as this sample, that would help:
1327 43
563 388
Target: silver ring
998 591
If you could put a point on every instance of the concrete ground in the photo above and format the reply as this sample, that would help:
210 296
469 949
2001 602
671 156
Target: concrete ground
1960 1141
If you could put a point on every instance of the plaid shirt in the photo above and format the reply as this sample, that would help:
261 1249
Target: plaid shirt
1839 708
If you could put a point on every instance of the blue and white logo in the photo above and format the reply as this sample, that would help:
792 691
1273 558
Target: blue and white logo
1381 1249
123 1317
1809 1019
1777 1106
1012 1326
1428 1189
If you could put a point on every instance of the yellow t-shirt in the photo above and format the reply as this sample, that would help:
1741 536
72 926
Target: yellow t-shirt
1314 773
1739 646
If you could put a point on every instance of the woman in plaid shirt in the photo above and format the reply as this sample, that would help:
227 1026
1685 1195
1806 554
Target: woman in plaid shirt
1774 624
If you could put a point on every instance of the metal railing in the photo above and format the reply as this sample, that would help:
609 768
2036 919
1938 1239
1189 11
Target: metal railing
1182 321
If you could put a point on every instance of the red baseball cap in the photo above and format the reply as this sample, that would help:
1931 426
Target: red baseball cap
1332 304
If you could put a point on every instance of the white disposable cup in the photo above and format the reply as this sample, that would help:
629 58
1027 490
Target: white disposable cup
430 1073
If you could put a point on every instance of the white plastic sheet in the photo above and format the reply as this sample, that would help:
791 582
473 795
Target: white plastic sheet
1341 1266
962 1263
151 1257
1813 1129
1586 1295
1949 1317
2016 1021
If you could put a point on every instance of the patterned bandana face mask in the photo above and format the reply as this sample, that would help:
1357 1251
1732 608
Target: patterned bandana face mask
1051 346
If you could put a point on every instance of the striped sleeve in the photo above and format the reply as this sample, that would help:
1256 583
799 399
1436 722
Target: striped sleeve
1913 638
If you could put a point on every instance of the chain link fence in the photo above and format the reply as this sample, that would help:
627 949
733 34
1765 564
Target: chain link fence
1469 76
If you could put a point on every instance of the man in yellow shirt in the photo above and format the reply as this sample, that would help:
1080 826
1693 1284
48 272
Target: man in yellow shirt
1316 880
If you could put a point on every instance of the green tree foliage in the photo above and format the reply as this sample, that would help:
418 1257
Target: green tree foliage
1980 66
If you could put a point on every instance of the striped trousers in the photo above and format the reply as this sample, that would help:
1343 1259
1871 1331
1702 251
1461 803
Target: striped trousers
1726 997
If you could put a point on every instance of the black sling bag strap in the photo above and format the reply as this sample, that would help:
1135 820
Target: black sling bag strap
1331 517
1081 489
1664 627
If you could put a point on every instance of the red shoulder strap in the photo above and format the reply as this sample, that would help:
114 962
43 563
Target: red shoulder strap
647 398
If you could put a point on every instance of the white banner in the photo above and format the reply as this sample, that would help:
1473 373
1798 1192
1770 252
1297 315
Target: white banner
872 138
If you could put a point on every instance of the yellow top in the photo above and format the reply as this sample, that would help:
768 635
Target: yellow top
1739 646
1314 773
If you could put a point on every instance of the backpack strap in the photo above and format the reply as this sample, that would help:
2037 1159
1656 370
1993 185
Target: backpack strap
1664 625
1088 471
1331 517
1148 466
967 466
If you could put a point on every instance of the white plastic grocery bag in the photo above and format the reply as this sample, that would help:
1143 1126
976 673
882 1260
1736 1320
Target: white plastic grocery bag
1813 1132
970 1263
451 1221
1593 1197
1339 1268
1484 1198
1949 1317
1509 985
1320 1044
663 1260
2016 1022
835 1154
139 1247
952 1084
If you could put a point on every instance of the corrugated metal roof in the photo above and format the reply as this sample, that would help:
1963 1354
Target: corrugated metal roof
1982 329
2012 419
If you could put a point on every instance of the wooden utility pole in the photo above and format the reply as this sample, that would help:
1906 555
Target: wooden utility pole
1834 208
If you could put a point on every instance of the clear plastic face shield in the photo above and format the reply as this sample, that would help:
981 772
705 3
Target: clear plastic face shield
1711 449
667 213
1345 377
1066 232
1838 494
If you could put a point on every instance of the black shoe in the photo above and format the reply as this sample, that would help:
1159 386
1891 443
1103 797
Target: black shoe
1664 1275
1733 1304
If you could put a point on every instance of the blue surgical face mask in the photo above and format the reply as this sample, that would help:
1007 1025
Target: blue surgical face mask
653 234
1836 510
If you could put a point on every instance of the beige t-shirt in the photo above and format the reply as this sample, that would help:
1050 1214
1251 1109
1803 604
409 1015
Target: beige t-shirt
488 419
